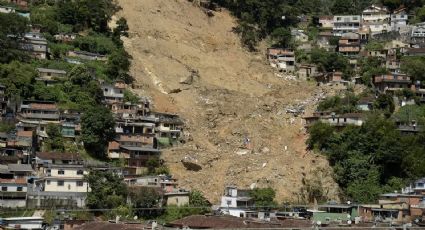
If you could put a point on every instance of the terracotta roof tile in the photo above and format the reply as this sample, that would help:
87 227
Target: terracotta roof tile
13 181
24 134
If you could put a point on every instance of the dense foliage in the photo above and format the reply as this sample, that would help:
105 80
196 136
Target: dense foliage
364 163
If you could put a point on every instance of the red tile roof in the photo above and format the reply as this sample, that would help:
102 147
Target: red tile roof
24 134
113 145
13 181
229 222
43 106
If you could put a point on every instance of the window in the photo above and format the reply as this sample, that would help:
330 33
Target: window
106 90
19 189
420 185
4 189
61 182
80 172
80 183
61 172
229 202
48 182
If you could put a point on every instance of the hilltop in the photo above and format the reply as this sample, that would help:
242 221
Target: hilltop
194 65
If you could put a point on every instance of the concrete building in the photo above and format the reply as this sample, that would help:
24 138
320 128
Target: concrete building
281 59
399 19
345 24
377 19
50 76
13 193
236 202
35 44
392 82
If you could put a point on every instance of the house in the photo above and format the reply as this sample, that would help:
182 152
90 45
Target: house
20 171
22 223
43 159
143 181
377 19
392 82
66 38
84 55
334 213
365 103
50 76
70 124
23 141
39 111
236 202
299 35
7 9
35 44
113 93
307 71
415 52
406 206
345 24
326 22
13 193
177 197
323 40
168 128
281 59
59 185
399 19
231 222
349 45
417 187
418 33
337 120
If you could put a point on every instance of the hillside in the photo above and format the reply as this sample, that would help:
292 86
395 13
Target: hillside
227 95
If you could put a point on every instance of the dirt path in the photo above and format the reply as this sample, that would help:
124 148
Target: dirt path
232 95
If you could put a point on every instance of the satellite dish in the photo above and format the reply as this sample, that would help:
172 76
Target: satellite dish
349 222
319 222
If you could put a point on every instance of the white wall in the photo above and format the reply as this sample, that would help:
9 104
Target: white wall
70 185
14 203
14 188
231 200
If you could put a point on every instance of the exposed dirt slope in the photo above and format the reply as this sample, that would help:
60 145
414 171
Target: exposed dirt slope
234 95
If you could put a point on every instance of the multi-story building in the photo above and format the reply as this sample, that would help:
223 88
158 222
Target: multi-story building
345 24
50 76
349 45
59 184
168 127
35 44
236 202
13 193
392 82
399 19
377 19
418 33
113 93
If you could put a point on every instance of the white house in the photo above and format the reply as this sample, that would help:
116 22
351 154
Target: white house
113 93
377 19
345 24
65 178
399 19
23 222
236 202
13 193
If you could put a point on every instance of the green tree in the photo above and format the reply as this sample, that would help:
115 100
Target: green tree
263 197
97 129
414 67
12 24
18 79
385 103
130 97
107 190
143 199
55 141
119 65
196 199
320 133
281 37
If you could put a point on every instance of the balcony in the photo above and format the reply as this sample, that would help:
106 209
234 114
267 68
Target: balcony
40 116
